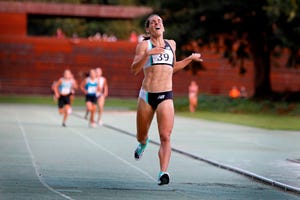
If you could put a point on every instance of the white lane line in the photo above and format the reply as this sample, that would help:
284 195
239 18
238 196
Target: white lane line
66 190
36 167
89 140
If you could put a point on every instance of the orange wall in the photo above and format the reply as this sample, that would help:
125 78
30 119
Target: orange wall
28 65
13 24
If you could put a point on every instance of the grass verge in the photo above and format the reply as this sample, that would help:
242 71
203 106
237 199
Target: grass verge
262 114
113 103
266 121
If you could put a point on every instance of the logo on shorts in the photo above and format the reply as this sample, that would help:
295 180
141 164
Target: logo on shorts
161 96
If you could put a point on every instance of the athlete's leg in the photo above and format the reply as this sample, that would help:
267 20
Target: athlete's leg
144 118
165 120
60 104
101 101
193 104
67 107
86 113
89 108
61 110
93 110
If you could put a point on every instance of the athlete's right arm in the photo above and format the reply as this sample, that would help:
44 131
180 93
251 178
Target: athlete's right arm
56 90
140 57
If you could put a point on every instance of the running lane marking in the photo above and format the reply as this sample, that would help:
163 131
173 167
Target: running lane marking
36 167
89 140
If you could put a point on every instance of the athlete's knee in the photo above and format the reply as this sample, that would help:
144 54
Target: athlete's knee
165 137
60 110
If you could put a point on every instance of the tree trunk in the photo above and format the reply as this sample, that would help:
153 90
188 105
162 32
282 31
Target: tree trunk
261 59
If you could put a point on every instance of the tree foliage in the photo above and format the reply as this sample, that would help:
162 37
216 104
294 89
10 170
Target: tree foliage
250 28
83 27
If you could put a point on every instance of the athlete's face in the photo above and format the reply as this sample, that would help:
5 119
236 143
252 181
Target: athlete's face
67 74
156 26
99 72
92 74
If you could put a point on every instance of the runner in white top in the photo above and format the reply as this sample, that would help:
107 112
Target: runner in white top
102 94
62 89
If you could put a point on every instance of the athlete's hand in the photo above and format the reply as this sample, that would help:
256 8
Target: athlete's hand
56 95
196 57
155 50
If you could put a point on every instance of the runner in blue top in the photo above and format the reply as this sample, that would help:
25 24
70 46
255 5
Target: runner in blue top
90 87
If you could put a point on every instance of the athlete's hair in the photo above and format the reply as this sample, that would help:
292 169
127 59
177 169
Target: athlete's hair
147 24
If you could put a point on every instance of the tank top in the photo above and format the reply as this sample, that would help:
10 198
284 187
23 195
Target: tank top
165 58
101 86
101 82
65 86
91 86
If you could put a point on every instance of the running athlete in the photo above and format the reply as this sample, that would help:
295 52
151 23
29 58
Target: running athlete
156 56
62 90
90 87
102 94
72 94
193 96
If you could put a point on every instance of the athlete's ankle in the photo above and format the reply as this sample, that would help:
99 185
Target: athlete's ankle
145 142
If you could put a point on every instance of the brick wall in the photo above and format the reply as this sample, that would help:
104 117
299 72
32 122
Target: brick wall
13 24
28 65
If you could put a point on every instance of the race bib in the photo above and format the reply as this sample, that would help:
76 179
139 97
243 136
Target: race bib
165 58
92 90
65 90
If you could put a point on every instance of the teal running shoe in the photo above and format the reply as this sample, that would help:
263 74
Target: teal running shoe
138 153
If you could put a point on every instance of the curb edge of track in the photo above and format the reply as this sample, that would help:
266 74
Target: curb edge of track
259 178
268 181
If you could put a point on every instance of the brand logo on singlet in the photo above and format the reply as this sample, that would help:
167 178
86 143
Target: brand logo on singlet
161 96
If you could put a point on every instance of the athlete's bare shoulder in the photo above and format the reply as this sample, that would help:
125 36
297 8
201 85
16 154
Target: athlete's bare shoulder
143 44
60 80
172 43
141 47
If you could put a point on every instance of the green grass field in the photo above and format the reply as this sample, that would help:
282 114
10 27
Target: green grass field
259 120
262 114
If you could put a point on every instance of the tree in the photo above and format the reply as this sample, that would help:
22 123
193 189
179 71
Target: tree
83 27
257 25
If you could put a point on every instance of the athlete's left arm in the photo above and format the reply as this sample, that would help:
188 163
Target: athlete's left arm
105 88
179 65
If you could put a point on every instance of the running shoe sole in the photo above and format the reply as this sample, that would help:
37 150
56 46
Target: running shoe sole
164 179
136 155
